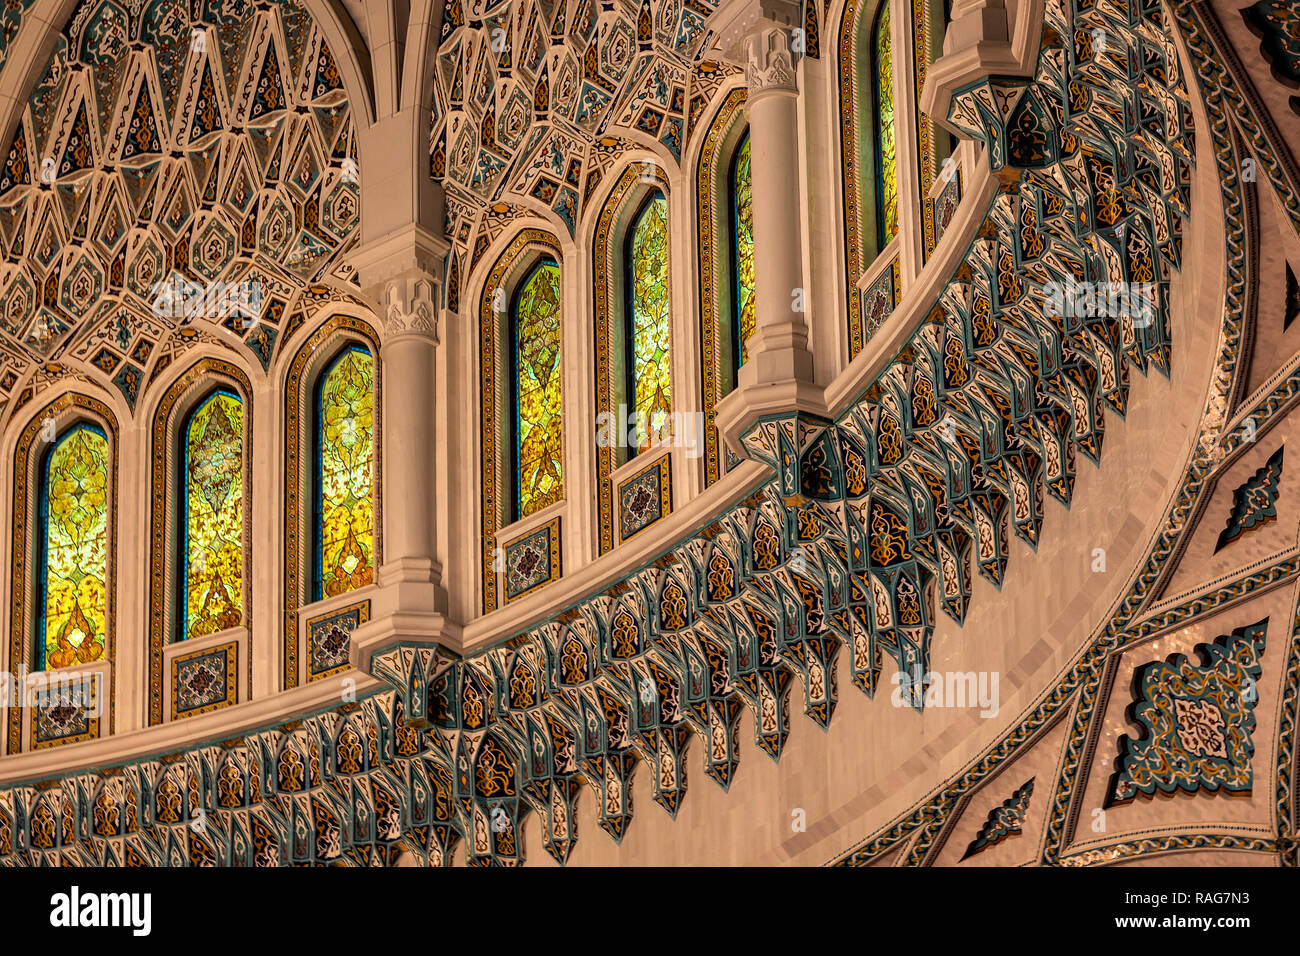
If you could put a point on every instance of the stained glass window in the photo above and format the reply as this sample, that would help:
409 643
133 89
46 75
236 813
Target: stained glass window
933 18
537 392
73 573
213 520
345 451
648 318
742 252
886 150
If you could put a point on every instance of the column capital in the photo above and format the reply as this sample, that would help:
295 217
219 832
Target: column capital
769 62
734 21
411 248
401 274
409 305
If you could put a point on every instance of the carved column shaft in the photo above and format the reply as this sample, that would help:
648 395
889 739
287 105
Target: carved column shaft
410 429
778 349
400 275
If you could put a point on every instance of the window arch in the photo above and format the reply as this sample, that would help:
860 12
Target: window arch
343 499
871 84
536 391
63 567
71 609
631 276
212 516
741 204
718 170
521 455
306 383
885 141
648 320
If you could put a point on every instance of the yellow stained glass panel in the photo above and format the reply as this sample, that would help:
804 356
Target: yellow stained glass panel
346 481
75 550
743 225
650 319
539 480
214 516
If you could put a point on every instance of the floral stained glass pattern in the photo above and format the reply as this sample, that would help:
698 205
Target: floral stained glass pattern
214 516
538 396
74 550
649 319
886 149
345 506
742 229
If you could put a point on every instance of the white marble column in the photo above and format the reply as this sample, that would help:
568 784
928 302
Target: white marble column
410 432
401 275
778 349
778 379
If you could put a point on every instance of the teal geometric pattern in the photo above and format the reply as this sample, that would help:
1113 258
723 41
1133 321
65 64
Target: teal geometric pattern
1005 820
1255 502
1197 721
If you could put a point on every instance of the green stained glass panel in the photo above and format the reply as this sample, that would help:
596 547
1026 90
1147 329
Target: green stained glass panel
886 149
345 480
214 516
742 224
650 319
539 454
74 556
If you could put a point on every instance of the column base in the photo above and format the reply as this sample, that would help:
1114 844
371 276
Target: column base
742 409
408 609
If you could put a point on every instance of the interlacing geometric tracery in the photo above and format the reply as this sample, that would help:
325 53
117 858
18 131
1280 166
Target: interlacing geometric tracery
165 150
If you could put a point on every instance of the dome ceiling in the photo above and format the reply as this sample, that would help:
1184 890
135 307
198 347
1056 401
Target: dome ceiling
204 145
534 102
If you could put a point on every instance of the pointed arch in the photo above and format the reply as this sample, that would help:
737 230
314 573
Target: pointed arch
314 359
184 413
631 299
533 254
718 288
868 146
88 491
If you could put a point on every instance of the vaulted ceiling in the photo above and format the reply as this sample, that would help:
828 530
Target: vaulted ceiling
214 143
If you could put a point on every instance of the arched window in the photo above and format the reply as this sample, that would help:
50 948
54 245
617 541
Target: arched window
212 516
742 251
344 555
886 148
937 16
535 390
71 583
648 318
